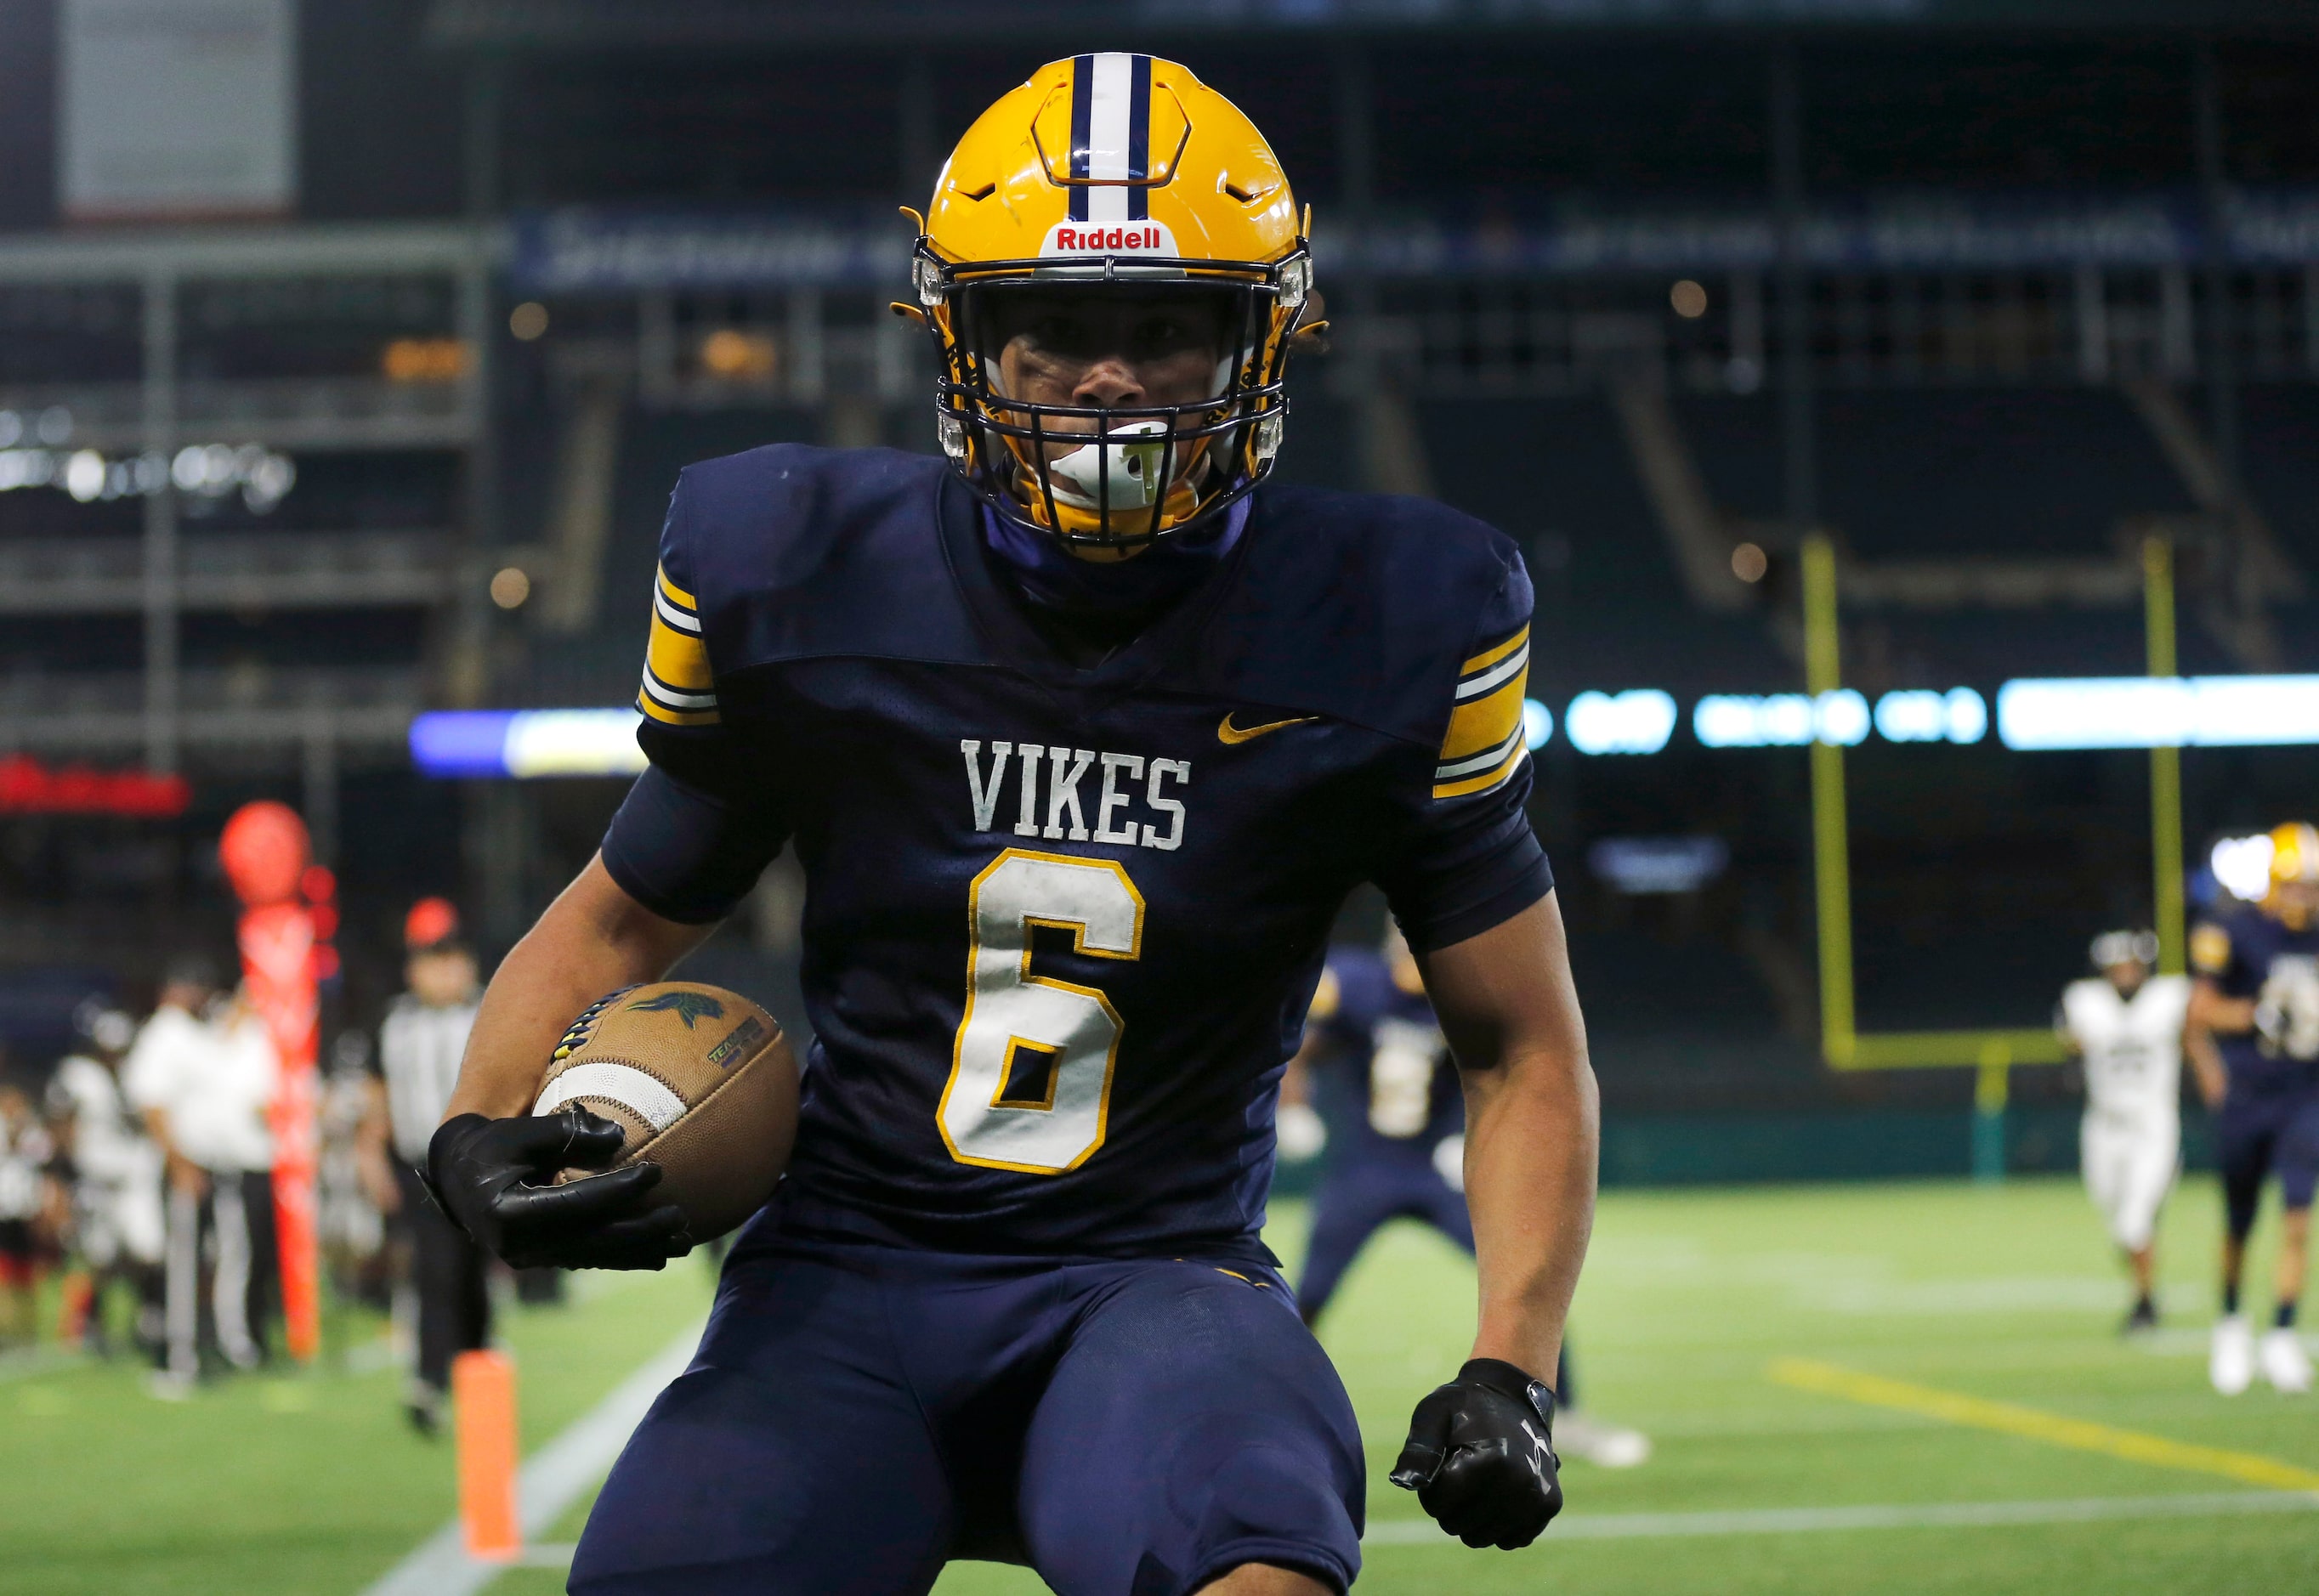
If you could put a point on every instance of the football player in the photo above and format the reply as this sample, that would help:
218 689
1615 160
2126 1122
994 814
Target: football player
1391 1124
1082 731
2252 1038
2126 1026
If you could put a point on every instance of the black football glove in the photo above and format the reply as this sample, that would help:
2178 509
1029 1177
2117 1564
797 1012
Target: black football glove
1480 1456
493 1178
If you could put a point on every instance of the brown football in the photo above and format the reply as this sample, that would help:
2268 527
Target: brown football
703 1083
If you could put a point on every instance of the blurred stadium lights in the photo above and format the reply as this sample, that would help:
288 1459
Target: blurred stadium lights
210 470
527 743
1639 720
1841 717
1538 724
2033 714
29 787
735 356
52 426
424 360
2158 712
510 587
1957 716
2242 866
1643 866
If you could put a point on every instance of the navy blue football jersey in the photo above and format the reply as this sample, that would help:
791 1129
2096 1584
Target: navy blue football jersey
1062 923
2247 953
1383 1083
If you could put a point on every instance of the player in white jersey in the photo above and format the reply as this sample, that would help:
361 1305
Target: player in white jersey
118 1226
2126 1026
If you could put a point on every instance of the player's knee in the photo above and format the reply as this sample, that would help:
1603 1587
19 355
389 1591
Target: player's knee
1284 1509
1264 1579
2240 1199
2239 1223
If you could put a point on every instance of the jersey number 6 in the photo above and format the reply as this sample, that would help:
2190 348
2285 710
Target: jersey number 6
1030 1078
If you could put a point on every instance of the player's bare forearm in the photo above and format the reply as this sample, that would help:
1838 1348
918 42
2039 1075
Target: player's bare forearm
1532 1126
2205 1065
2211 1012
593 938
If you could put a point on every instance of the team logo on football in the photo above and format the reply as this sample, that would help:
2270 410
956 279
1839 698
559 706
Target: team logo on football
687 1007
748 1030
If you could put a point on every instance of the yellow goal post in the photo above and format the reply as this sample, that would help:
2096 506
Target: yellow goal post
1992 1053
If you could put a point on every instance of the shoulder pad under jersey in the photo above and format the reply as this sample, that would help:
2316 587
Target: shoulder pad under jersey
793 551
1365 608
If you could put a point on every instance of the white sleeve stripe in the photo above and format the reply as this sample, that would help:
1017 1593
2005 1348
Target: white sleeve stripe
1475 686
1505 774
681 619
1477 763
676 698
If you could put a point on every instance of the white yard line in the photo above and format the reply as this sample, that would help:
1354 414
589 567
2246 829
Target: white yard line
564 1470
554 1477
1897 1516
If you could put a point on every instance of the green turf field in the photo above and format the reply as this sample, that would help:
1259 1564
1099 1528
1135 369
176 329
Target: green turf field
1827 1351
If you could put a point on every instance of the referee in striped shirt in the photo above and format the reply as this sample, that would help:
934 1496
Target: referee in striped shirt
420 1046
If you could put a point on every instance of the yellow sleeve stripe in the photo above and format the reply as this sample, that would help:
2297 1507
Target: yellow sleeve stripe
653 711
1491 656
677 696
1483 723
1484 743
679 688
1483 782
677 595
679 659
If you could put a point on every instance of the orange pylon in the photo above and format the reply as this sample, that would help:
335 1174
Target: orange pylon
483 1391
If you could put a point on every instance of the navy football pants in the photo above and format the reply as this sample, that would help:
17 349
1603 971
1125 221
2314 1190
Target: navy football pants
857 1415
2256 1135
1357 1200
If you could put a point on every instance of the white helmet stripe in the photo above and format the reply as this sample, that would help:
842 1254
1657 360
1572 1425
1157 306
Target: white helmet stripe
1110 101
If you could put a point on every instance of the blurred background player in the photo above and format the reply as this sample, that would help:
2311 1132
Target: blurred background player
24 1153
420 1046
355 1179
202 1086
117 1229
2252 1038
2127 1026
1374 1091
169 1052
248 1074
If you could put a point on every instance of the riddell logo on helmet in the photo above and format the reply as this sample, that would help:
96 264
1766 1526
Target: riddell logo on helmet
1113 238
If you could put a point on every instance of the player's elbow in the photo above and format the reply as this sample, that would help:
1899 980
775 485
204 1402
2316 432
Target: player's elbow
595 923
1552 1079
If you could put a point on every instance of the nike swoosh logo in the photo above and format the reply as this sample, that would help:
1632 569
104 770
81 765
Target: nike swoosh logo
1228 733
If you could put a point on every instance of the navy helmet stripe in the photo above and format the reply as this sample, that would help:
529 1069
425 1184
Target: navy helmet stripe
1139 137
1082 130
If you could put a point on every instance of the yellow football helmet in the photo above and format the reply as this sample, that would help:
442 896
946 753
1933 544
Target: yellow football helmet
2294 858
1118 172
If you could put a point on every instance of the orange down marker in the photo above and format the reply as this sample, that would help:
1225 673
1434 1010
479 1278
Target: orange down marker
483 1391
